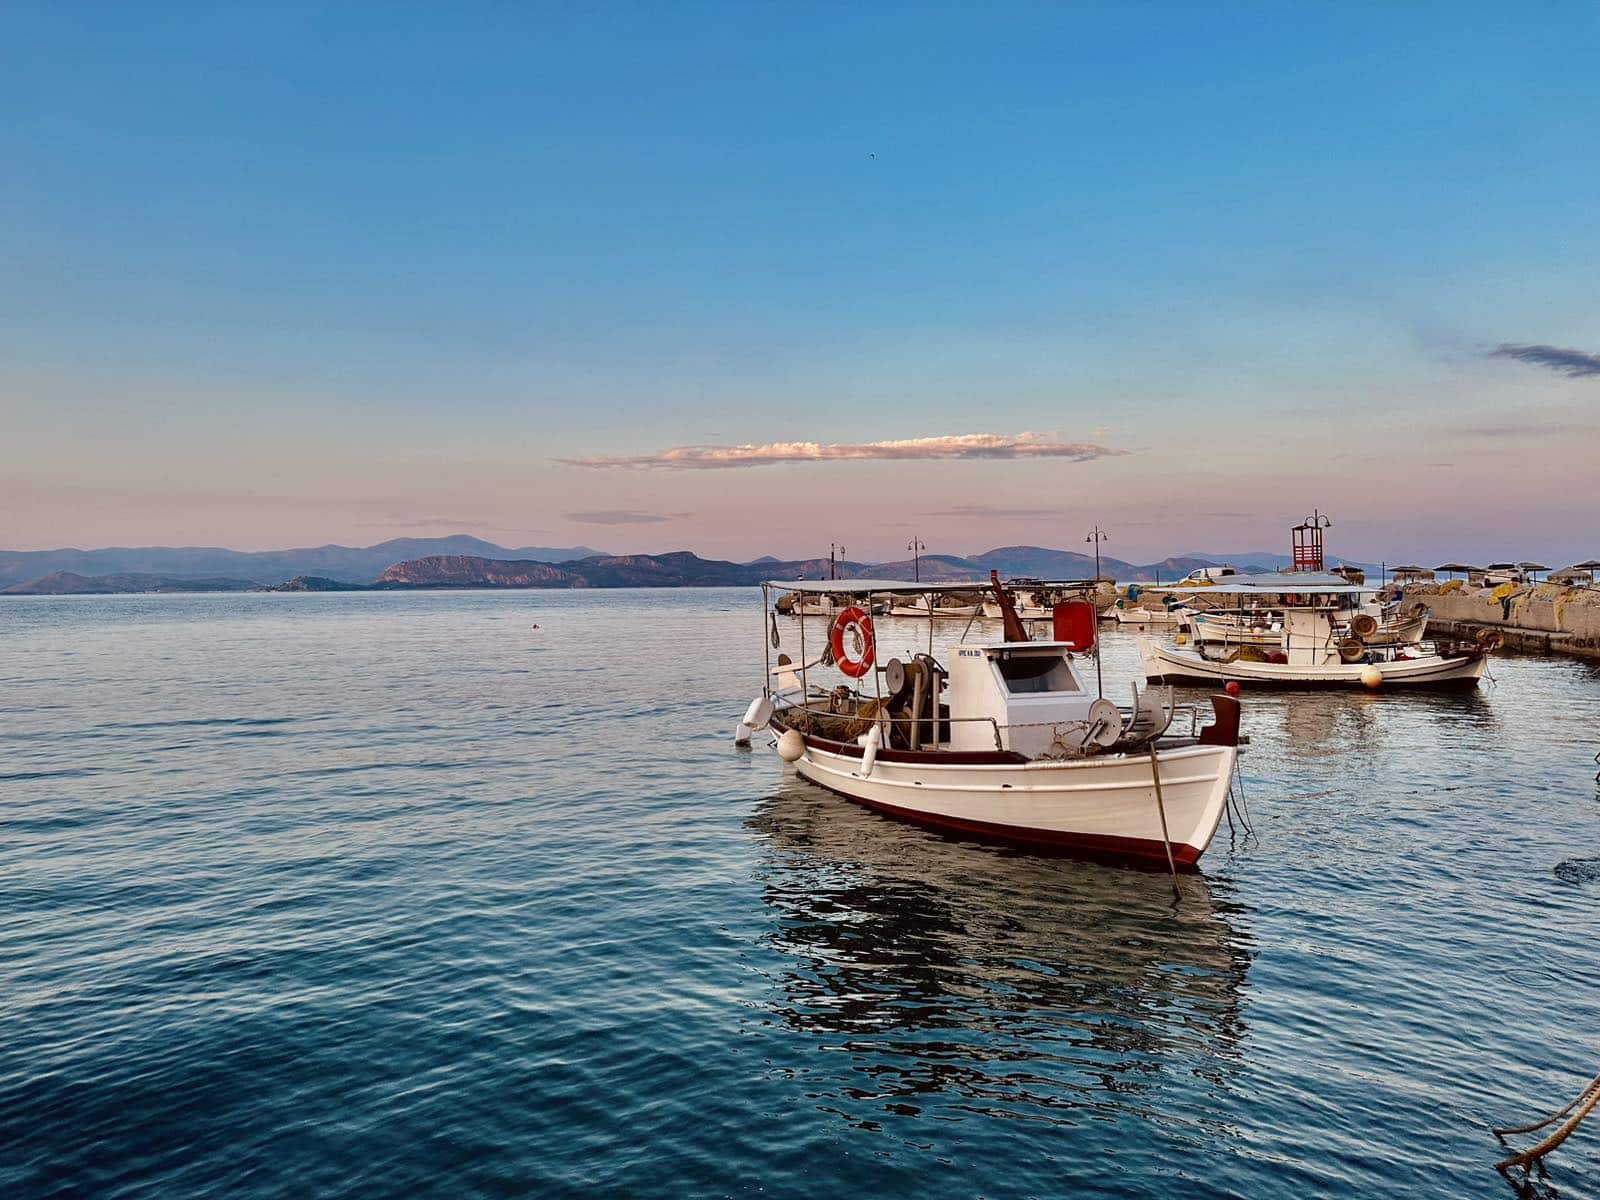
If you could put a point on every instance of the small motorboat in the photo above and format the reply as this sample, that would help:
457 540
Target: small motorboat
1134 617
811 604
1002 740
928 608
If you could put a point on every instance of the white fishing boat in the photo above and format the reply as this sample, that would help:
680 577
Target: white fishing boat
1311 648
1264 626
929 608
1001 739
1134 617
824 604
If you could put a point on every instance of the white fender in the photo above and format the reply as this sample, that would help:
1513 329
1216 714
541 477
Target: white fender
872 739
755 720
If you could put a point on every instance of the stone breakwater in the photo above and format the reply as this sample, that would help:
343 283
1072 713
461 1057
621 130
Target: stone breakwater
1537 616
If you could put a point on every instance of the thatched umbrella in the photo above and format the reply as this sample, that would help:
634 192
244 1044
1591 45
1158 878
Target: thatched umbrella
1531 568
1457 568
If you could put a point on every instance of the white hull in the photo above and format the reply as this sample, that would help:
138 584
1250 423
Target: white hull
1175 665
1148 617
1028 612
964 611
1104 805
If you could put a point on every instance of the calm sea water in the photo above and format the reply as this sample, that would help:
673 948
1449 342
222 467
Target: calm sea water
470 894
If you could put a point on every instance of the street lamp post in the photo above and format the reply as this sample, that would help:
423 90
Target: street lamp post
834 550
1097 536
916 545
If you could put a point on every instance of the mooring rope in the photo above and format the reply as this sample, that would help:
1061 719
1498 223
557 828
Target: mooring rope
1161 807
1244 806
1584 1103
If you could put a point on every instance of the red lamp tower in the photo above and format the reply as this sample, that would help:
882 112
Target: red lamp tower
1308 542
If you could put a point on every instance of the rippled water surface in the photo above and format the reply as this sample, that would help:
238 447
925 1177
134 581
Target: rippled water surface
470 894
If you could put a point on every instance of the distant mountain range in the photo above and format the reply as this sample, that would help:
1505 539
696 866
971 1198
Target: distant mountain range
683 569
69 583
347 564
469 562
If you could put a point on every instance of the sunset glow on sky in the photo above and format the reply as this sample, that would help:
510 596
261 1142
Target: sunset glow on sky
748 279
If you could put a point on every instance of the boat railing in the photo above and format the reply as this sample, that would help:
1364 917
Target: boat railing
907 724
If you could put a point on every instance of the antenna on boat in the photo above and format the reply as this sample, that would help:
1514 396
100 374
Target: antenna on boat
1097 536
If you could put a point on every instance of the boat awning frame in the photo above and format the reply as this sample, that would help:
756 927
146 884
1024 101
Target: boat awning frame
899 587
1285 587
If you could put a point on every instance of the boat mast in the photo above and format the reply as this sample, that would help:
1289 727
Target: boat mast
1097 536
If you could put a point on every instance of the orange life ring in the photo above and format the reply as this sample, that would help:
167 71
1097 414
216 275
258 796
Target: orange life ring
853 667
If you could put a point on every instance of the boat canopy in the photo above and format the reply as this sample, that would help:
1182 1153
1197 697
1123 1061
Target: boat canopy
1301 583
851 587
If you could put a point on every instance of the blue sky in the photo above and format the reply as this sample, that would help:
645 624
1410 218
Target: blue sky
284 274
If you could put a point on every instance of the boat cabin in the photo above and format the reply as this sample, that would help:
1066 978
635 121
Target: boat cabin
1020 689
1308 639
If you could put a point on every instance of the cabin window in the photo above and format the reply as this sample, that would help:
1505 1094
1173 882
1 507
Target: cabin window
1035 673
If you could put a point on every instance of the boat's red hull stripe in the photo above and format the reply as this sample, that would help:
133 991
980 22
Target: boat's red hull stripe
1095 845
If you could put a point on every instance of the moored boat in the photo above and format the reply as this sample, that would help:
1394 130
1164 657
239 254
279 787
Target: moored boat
1431 668
1311 648
1264 627
929 608
1003 740
1147 618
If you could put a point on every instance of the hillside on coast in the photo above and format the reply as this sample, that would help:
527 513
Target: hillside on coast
467 562
685 569
346 564
69 583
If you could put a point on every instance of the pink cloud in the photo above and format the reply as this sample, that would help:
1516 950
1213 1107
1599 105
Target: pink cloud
948 446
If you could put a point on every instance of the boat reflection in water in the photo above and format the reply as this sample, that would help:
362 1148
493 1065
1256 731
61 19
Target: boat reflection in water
959 980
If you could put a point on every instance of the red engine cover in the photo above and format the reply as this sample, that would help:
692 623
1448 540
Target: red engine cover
1074 622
